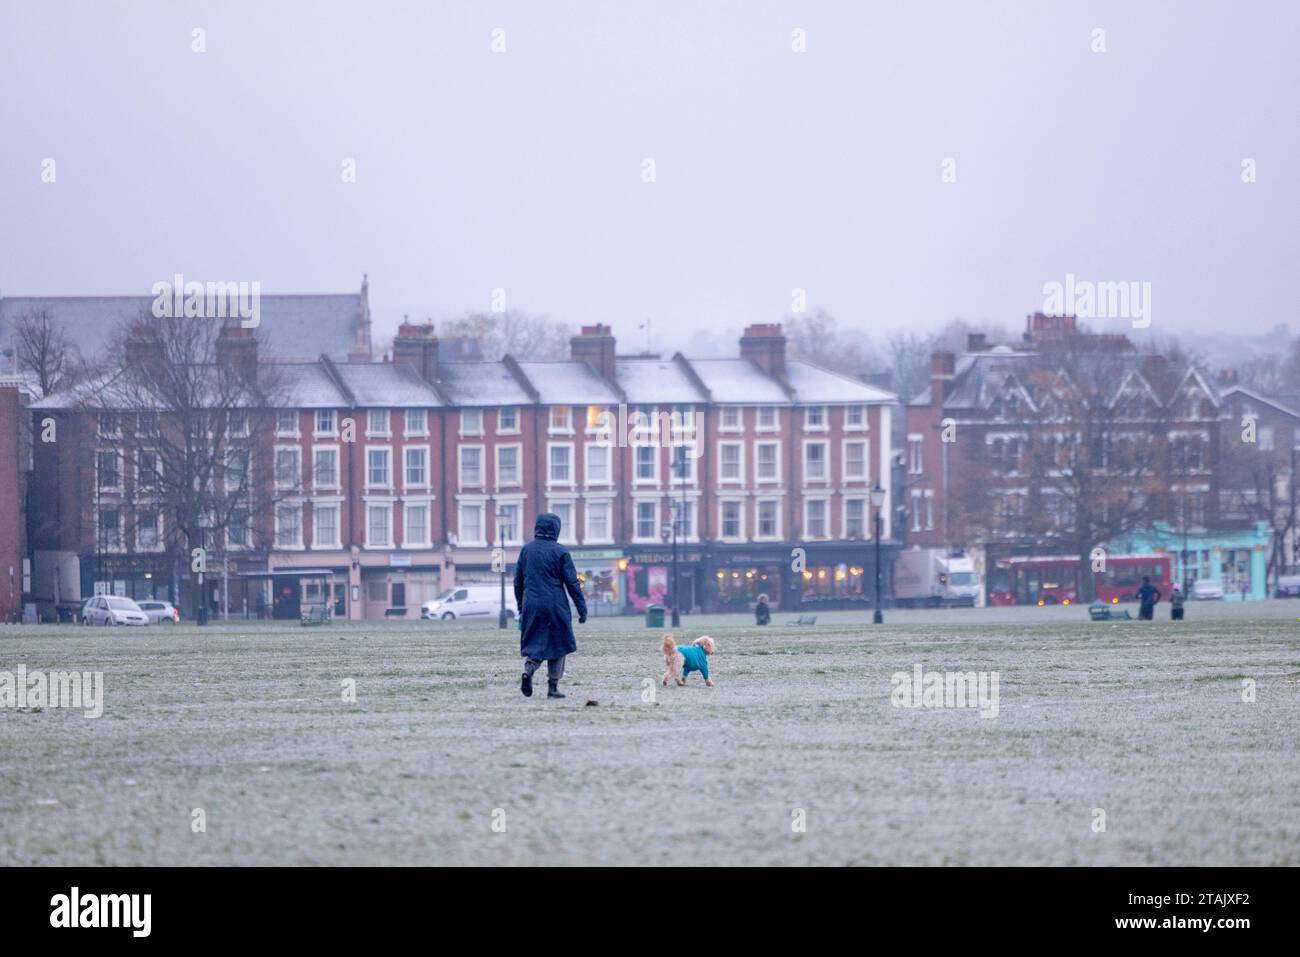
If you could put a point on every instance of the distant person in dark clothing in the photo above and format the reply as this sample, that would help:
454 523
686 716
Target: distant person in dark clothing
1176 604
1148 595
545 580
762 613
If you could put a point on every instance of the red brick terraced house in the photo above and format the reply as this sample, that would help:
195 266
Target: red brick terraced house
385 483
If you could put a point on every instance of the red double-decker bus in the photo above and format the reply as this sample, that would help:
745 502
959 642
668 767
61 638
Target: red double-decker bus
1054 579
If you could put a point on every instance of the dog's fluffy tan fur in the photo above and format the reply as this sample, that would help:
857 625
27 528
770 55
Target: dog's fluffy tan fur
673 658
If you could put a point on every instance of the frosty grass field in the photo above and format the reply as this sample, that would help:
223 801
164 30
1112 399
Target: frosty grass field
247 722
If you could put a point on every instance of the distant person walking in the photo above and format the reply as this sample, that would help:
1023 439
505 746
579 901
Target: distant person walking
1147 596
545 580
1176 604
762 613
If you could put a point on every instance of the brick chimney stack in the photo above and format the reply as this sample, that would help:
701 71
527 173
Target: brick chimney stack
144 354
942 367
595 346
237 351
764 343
417 346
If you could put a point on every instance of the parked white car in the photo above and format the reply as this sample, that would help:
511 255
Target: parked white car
160 612
1204 589
469 601
112 610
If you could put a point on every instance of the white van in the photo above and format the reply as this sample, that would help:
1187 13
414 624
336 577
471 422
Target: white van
470 601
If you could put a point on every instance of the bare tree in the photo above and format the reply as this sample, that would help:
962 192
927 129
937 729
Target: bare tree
908 355
819 339
512 332
45 350
194 415
1073 453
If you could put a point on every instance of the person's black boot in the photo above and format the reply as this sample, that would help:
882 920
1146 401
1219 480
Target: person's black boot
553 691
526 685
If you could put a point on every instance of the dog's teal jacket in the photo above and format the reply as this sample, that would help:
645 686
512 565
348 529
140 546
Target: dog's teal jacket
694 659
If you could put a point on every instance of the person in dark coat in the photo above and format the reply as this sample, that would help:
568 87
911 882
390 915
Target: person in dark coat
1147 596
545 580
762 613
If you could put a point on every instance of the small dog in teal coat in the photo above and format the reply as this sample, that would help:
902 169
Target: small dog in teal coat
682 661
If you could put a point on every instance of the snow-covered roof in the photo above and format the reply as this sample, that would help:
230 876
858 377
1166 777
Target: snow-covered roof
481 384
386 385
565 382
813 384
739 381
306 385
652 380
291 327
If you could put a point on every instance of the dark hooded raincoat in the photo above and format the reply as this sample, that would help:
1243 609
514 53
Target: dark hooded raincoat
545 580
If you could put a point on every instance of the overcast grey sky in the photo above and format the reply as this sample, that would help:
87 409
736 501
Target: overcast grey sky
774 170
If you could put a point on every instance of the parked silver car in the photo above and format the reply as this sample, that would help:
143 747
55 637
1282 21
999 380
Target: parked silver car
112 610
160 612
1204 589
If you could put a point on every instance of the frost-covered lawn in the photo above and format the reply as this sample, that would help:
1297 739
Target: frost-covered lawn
1145 721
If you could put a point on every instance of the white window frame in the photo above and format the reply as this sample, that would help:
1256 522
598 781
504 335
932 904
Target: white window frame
608 451
866 460
463 428
296 450
502 430
566 426
850 426
427 540
737 427
551 480
519 465
428 472
608 505
386 432
481 506
657 456
316 509
776 504
807 419
722 520
333 430
826 463
915 453
316 484
827 529
460 466
739 478
657 504
776 477
421 432
387 486
379 505
296 545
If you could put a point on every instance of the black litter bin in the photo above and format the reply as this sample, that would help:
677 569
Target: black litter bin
654 616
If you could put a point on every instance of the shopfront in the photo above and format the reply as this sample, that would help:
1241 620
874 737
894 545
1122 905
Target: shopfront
737 576
603 576
650 577
843 575
1237 559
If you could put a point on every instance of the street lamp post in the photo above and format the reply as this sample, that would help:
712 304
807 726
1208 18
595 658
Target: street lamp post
670 531
877 503
501 557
